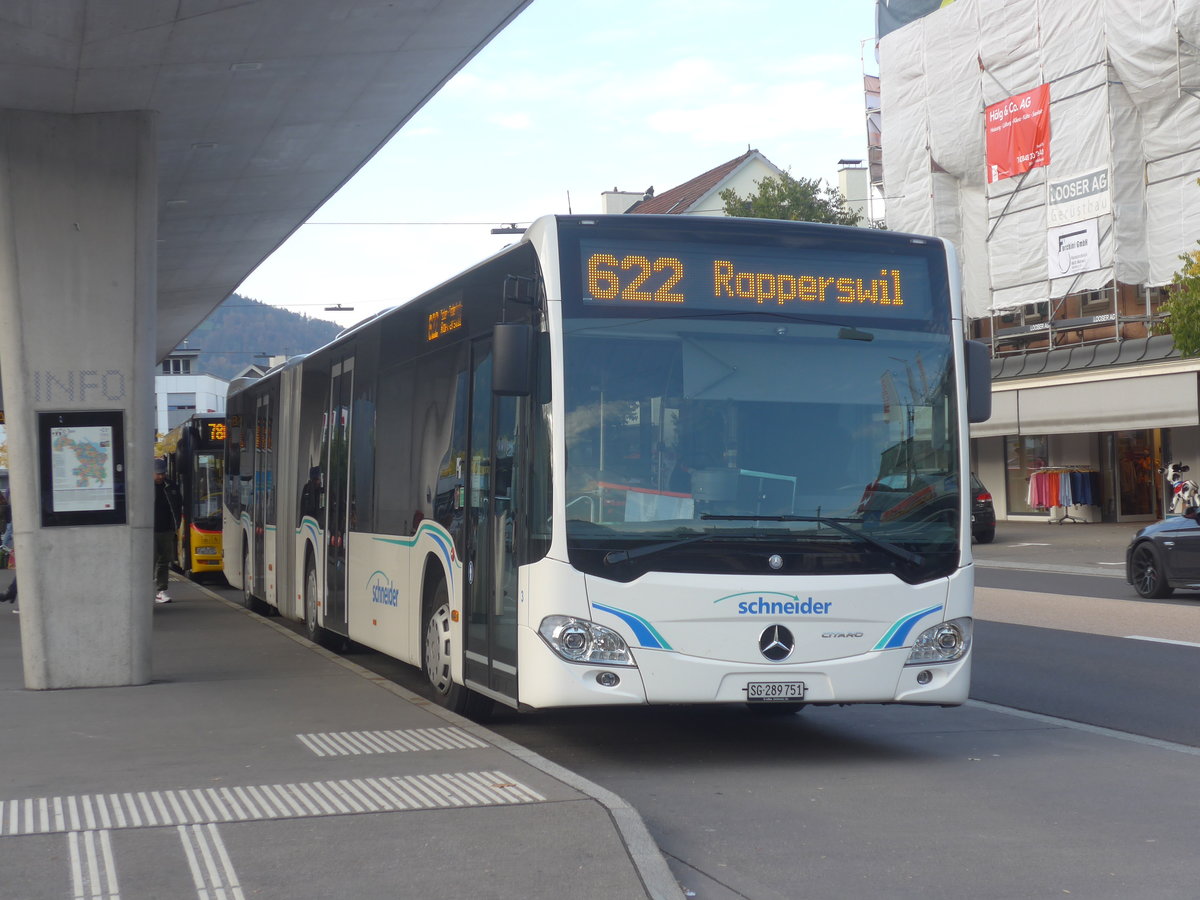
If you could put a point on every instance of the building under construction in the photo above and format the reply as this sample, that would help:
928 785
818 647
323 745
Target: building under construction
1057 144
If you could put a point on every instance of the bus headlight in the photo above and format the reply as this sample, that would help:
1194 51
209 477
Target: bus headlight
944 642
581 641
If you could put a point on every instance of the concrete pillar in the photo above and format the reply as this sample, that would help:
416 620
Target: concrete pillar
78 227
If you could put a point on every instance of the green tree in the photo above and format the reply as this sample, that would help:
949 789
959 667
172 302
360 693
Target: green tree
798 199
1182 308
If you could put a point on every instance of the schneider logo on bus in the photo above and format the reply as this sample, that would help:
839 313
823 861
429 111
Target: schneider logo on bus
758 604
383 591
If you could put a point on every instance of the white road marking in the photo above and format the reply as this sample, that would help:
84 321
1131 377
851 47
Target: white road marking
356 743
1141 637
1090 729
212 869
264 802
93 872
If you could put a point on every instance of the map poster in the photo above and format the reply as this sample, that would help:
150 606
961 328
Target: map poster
81 468
81 462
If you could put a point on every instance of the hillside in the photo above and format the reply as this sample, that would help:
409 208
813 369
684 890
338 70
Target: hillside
240 328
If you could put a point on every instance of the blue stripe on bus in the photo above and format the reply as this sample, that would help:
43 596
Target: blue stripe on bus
440 536
309 526
642 630
898 633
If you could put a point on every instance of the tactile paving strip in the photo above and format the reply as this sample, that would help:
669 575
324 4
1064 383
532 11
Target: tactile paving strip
151 809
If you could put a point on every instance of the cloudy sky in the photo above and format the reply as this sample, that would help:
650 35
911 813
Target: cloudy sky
574 98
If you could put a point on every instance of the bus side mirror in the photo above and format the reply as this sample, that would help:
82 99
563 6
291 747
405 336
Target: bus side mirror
512 368
979 382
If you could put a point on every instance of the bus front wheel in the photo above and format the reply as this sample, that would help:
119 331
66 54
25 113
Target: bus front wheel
437 654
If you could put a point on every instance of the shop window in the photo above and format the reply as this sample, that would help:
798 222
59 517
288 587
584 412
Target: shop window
1024 454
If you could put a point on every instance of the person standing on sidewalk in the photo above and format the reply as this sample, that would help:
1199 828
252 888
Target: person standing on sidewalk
167 506
6 539
6 546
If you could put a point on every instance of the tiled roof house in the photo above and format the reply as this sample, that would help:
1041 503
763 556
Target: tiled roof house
702 195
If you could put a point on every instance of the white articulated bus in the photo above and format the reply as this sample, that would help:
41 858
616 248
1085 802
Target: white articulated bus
630 460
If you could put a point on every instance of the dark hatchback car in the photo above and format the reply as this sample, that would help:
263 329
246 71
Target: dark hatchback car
983 513
1165 556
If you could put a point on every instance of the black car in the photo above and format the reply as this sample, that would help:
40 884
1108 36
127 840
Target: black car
983 513
1165 556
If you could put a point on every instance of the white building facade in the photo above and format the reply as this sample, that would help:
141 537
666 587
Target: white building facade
1057 144
180 393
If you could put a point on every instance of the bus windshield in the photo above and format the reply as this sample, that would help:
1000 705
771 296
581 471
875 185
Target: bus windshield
835 445
206 496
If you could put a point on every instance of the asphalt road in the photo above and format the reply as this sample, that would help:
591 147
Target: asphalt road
1072 771
1115 588
1137 686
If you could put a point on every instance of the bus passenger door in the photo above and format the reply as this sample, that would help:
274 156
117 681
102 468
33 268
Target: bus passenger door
491 593
337 494
262 487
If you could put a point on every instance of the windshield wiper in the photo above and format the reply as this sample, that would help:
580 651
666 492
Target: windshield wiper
613 557
899 552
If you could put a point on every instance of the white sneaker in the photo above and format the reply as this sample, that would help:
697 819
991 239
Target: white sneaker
162 597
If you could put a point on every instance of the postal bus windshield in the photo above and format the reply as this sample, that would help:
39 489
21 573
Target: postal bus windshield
839 284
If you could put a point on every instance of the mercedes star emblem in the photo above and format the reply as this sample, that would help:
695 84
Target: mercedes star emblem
776 643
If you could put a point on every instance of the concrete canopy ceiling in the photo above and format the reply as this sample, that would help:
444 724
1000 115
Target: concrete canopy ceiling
265 107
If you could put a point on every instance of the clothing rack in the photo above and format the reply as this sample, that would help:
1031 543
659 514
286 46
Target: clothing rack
1051 487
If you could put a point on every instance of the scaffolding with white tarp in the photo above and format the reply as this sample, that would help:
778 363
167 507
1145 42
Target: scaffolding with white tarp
1124 145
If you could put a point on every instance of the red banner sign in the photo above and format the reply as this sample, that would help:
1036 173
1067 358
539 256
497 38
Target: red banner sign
1018 134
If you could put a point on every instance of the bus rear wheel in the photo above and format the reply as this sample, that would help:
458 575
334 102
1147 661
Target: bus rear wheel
249 601
312 629
437 656
247 590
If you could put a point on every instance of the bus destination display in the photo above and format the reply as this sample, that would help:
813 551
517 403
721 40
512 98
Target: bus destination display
443 321
839 284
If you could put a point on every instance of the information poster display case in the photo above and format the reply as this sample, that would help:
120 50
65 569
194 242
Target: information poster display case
81 456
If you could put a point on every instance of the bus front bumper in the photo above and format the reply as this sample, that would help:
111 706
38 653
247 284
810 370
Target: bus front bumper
667 677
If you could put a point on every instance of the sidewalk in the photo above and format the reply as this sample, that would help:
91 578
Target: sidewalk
1096 548
257 764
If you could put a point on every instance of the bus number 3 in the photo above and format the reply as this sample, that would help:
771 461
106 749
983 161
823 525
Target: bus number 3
627 277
